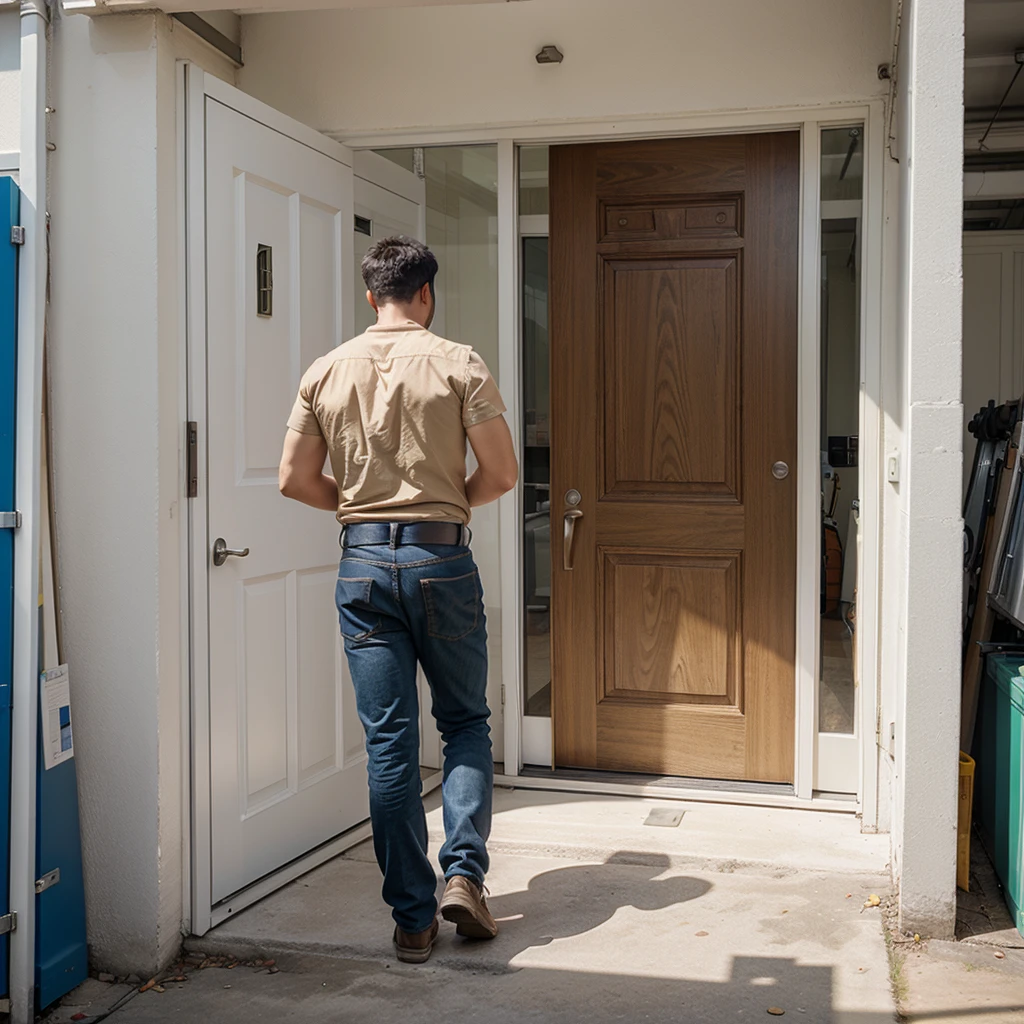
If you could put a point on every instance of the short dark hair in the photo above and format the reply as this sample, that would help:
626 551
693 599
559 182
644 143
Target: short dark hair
396 268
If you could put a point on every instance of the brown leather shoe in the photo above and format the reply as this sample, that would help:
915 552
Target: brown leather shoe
415 947
465 905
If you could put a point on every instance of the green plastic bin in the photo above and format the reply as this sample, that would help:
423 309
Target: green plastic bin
998 783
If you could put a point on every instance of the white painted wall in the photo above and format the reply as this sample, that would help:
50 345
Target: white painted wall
371 71
10 85
927 423
115 378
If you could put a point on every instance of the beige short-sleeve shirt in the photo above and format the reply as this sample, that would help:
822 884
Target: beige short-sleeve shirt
394 405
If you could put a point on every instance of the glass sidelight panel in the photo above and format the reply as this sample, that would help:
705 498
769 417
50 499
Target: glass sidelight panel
842 178
460 189
533 181
536 478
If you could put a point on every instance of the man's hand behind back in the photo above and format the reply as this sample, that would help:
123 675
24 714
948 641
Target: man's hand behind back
301 473
498 471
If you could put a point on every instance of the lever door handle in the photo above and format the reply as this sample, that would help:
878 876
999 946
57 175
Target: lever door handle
568 534
221 552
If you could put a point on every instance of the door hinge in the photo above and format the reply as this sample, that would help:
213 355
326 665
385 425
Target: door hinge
502 694
8 923
50 879
10 520
191 459
17 234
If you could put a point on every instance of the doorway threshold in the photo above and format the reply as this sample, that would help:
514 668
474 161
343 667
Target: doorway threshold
761 794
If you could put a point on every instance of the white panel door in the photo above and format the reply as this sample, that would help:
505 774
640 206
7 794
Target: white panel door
286 747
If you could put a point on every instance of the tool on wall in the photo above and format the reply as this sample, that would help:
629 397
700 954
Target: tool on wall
1006 588
992 427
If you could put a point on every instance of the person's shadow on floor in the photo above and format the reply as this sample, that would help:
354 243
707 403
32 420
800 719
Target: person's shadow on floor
579 898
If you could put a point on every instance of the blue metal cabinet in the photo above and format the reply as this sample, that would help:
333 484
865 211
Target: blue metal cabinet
60 951
62 958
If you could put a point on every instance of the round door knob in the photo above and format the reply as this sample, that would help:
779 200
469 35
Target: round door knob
780 470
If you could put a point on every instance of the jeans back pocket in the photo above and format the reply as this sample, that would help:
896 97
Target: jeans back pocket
358 619
453 605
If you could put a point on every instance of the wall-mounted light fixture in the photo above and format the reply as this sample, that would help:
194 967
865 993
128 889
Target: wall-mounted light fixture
550 55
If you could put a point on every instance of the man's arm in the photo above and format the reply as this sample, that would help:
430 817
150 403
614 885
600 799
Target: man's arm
497 470
301 476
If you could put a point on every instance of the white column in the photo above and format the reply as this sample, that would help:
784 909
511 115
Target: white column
930 131
31 314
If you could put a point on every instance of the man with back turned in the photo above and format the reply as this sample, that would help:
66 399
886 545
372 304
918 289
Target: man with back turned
393 410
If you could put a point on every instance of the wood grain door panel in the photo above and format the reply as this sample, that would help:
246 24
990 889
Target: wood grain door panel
671 627
670 406
674 314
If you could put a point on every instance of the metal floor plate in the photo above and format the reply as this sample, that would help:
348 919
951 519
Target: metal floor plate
664 817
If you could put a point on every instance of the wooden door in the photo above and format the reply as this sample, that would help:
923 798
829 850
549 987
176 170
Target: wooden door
674 367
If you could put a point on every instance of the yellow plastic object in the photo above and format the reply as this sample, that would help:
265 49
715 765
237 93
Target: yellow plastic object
963 822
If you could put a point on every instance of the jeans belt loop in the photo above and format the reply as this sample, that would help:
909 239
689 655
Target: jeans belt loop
394 527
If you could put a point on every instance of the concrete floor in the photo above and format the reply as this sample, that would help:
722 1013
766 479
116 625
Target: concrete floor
735 911
961 983
977 979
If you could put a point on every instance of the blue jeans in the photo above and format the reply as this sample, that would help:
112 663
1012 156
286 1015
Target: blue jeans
399 606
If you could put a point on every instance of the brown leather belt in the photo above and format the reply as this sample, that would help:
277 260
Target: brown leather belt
361 535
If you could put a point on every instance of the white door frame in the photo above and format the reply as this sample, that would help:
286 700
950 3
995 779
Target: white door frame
874 326
195 88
